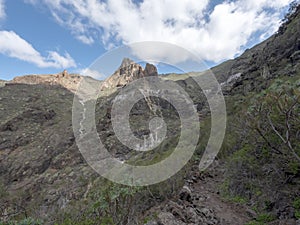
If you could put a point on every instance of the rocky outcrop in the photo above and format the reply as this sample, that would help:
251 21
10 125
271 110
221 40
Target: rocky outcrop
150 70
128 72
68 81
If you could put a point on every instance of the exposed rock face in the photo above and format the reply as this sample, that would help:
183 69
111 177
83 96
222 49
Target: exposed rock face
69 81
128 72
150 70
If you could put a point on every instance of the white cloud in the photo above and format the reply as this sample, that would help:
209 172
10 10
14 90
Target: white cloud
56 60
14 46
2 9
215 35
92 73
85 39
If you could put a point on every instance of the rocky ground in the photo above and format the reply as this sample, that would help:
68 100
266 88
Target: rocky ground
200 202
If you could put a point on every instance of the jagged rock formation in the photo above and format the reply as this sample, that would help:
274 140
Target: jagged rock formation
128 72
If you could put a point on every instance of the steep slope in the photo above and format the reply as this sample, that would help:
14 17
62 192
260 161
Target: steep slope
41 169
275 57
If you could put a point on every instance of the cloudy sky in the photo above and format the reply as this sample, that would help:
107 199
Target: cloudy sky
47 36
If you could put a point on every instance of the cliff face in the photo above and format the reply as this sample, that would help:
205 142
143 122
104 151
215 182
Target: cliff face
128 72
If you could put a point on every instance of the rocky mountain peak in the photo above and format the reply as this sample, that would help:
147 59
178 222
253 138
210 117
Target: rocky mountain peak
128 72
126 62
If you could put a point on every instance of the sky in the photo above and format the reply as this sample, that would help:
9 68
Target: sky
48 36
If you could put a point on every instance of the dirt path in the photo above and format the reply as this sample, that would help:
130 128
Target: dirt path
208 186
199 203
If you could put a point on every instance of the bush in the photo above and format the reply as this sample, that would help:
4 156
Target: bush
296 205
262 219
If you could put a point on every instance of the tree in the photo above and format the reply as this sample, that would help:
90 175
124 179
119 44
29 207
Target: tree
275 116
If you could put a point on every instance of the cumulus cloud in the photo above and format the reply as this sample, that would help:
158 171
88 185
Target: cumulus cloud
12 45
212 32
2 9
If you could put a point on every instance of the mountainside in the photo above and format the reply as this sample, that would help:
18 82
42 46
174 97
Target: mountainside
275 57
41 167
255 179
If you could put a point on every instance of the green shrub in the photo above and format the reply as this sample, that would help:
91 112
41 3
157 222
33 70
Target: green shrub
296 205
114 204
262 219
297 214
265 218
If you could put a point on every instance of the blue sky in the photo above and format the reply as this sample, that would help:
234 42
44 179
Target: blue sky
47 36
